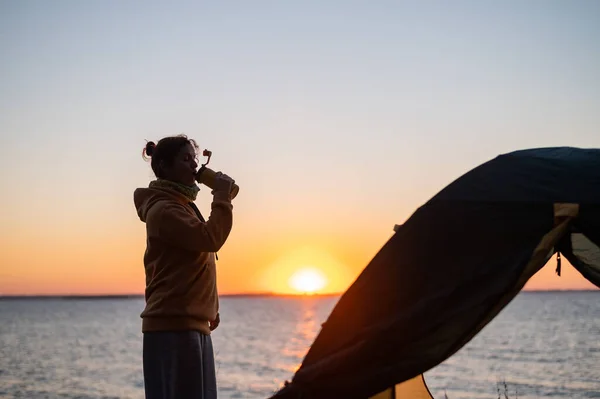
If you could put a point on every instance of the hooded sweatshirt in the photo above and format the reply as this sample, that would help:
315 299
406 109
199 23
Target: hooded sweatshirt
181 285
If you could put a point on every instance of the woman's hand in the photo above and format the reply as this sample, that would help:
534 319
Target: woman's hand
215 323
223 182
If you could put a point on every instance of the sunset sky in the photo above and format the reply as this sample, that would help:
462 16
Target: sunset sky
337 119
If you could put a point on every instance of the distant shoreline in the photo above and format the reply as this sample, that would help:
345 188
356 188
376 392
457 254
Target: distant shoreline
141 296
245 295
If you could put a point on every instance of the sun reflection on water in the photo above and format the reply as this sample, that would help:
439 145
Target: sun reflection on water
306 329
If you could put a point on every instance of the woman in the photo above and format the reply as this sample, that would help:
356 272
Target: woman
182 305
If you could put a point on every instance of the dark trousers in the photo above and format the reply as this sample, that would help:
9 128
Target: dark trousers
179 365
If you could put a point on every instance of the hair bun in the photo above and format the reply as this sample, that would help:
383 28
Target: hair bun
150 147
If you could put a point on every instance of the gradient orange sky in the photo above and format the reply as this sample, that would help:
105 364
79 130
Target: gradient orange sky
336 120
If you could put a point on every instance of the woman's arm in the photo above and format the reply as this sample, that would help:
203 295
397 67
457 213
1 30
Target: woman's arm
173 223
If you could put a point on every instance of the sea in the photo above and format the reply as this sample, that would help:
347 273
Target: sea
542 345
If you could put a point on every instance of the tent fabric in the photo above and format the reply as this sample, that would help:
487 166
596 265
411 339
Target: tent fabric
545 175
586 251
452 267
584 255
415 388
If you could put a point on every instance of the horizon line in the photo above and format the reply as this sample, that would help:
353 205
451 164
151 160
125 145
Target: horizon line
230 295
132 296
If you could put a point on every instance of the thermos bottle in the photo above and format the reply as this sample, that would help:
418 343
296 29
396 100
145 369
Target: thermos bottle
207 177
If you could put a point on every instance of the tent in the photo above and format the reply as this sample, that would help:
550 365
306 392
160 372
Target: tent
450 269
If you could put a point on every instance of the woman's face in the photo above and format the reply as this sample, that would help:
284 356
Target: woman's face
183 169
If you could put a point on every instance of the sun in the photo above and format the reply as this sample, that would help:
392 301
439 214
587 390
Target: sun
308 280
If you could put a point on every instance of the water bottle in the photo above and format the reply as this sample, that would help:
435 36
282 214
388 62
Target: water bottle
208 176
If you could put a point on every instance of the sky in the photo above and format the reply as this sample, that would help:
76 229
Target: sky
337 119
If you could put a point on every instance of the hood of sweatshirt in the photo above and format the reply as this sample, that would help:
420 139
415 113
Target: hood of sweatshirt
145 198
